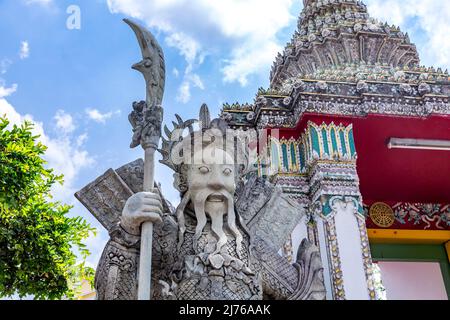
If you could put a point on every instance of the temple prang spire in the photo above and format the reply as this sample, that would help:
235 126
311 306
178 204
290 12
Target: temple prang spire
342 90
333 33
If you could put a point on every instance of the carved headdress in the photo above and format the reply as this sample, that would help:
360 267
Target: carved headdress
180 149
179 146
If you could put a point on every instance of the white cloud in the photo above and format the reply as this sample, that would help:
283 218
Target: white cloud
7 110
197 81
188 47
82 139
64 122
4 65
237 29
246 60
99 117
4 91
244 32
427 18
191 51
24 50
39 2
64 154
184 92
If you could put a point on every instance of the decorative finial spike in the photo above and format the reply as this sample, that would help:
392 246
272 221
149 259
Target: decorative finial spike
204 117
180 121
168 132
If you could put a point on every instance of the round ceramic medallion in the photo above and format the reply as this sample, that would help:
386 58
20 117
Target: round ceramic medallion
382 215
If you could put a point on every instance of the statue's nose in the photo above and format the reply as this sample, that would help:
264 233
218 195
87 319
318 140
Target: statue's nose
215 182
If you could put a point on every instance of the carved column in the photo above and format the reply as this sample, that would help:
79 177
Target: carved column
336 209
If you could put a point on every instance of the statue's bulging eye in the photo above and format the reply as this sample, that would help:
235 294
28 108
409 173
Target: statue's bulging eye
203 170
147 63
227 171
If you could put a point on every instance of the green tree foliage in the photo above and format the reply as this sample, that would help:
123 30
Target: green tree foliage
38 240
78 274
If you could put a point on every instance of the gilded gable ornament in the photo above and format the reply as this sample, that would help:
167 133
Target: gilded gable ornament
382 215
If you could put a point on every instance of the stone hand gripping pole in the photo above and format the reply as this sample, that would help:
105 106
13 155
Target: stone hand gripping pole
146 120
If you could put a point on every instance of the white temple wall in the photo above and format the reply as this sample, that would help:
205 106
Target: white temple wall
349 241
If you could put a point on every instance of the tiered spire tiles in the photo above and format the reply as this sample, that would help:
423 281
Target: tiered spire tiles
332 33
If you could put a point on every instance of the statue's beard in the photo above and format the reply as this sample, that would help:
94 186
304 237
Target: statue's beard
215 204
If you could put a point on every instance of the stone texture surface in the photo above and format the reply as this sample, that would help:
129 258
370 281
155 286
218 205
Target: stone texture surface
268 212
105 198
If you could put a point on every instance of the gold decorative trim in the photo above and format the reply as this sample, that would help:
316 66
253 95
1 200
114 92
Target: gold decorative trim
382 215
367 259
408 236
334 260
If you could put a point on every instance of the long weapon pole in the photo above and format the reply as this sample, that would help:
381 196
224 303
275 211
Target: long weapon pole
150 136
145 262
146 121
152 119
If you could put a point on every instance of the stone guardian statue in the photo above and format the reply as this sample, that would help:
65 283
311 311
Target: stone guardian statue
220 243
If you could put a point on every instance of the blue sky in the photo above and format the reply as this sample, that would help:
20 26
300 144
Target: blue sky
77 85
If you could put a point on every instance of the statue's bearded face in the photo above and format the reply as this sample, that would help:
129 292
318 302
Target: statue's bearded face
212 181
211 185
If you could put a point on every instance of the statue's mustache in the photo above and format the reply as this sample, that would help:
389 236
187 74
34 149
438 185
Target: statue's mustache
216 196
200 201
